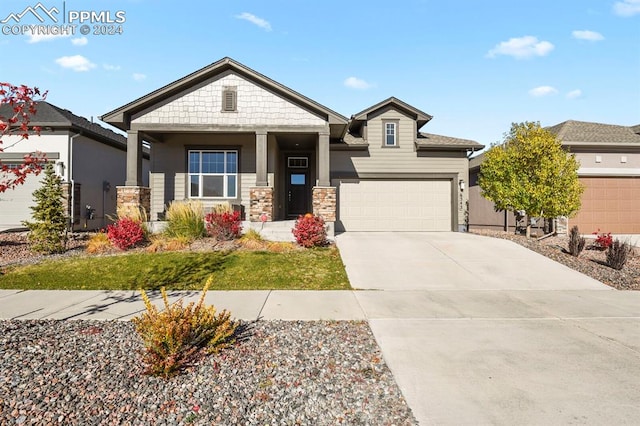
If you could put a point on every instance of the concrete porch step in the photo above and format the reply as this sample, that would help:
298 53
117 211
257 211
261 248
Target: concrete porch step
273 231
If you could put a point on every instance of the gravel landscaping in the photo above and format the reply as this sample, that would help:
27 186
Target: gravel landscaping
282 372
591 262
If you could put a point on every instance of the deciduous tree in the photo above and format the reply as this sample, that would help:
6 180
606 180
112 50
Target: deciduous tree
531 172
17 107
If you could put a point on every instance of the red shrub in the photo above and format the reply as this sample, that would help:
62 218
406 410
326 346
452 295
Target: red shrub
310 231
224 226
125 233
603 241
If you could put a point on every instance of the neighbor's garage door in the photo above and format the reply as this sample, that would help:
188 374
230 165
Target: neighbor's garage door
394 205
611 204
15 203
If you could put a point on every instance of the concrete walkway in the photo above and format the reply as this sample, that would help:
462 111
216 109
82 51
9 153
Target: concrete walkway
475 330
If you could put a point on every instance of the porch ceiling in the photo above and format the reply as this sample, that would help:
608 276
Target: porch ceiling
296 141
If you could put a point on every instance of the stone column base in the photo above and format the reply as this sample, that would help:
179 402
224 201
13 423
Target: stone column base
134 197
324 202
260 203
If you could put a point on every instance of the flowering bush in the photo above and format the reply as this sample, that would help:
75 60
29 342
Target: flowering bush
224 226
603 241
125 233
310 231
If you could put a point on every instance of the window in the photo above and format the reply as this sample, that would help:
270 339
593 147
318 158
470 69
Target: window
213 174
229 99
297 162
390 138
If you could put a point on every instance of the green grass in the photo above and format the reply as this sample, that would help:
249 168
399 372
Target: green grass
316 269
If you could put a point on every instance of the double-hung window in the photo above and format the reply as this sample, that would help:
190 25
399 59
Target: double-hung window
390 134
213 174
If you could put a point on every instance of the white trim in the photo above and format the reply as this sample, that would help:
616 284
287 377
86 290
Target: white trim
608 171
201 175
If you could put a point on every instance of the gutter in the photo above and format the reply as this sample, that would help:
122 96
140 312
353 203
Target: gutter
71 180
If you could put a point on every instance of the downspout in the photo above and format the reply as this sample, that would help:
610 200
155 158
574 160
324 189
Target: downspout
71 180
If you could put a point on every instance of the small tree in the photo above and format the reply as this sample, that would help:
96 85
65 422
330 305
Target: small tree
531 172
48 231
17 106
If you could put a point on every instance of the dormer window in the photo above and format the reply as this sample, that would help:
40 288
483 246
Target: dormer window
390 134
230 99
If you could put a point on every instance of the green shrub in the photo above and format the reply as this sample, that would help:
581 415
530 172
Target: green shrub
48 231
185 219
618 253
174 337
576 242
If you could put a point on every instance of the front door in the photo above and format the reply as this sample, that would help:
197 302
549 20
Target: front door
297 200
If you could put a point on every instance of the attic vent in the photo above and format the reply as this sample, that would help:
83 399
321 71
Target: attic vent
229 99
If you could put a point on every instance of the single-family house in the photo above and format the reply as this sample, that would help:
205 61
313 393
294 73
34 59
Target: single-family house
90 159
609 157
227 133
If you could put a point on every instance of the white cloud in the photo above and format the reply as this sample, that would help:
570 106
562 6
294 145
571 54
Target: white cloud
627 8
356 83
75 63
587 35
538 92
521 48
139 76
37 38
574 94
262 23
80 41
110 67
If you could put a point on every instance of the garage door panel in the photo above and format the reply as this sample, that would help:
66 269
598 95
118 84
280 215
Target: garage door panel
15 203
395 205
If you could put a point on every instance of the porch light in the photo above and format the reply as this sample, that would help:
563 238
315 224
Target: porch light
59 167
461 184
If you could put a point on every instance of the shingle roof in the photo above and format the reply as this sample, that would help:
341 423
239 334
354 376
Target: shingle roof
429 140
576 132
49 115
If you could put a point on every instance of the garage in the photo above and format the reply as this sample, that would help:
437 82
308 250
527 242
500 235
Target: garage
394 205
15 203
610 204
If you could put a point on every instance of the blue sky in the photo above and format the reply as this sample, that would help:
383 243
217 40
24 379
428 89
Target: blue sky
476 66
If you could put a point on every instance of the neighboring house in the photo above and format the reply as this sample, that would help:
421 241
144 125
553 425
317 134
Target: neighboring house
609 157
227 133
90 159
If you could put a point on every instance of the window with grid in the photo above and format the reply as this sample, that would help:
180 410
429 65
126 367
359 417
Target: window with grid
390 134
213 174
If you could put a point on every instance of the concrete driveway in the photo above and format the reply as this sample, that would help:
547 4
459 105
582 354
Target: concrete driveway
482 331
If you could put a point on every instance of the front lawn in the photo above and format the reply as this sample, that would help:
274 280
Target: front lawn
315 269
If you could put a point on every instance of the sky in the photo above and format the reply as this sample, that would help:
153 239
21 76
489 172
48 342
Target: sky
475 66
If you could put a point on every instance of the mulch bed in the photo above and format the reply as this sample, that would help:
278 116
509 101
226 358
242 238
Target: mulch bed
591 262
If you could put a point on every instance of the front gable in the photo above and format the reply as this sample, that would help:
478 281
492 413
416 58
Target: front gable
203 104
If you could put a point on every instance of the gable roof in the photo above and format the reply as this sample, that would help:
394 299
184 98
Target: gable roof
49 115
421 117
585 133
120 116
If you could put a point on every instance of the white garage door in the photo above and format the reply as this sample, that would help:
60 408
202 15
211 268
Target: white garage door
15 203
395 205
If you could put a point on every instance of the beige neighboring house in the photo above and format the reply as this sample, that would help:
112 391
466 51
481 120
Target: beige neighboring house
609 157
90 159
228 134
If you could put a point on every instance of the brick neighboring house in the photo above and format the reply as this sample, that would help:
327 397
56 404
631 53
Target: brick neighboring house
609 157
228 134
89 158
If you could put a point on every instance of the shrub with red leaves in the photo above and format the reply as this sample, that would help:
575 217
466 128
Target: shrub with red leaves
603 241
125 233
224 226
310 231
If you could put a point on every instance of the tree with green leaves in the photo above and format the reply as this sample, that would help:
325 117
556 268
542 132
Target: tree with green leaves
48 231
531 172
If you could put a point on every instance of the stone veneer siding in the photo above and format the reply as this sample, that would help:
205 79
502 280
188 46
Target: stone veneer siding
134 197
324 202
261 202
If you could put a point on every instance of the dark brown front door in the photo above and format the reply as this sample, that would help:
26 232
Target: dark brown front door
297 192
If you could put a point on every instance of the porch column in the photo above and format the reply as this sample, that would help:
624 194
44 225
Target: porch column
323 160
134 159
261 158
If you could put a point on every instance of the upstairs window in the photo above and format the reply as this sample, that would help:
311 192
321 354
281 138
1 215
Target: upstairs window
229 99
390 134
213 174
